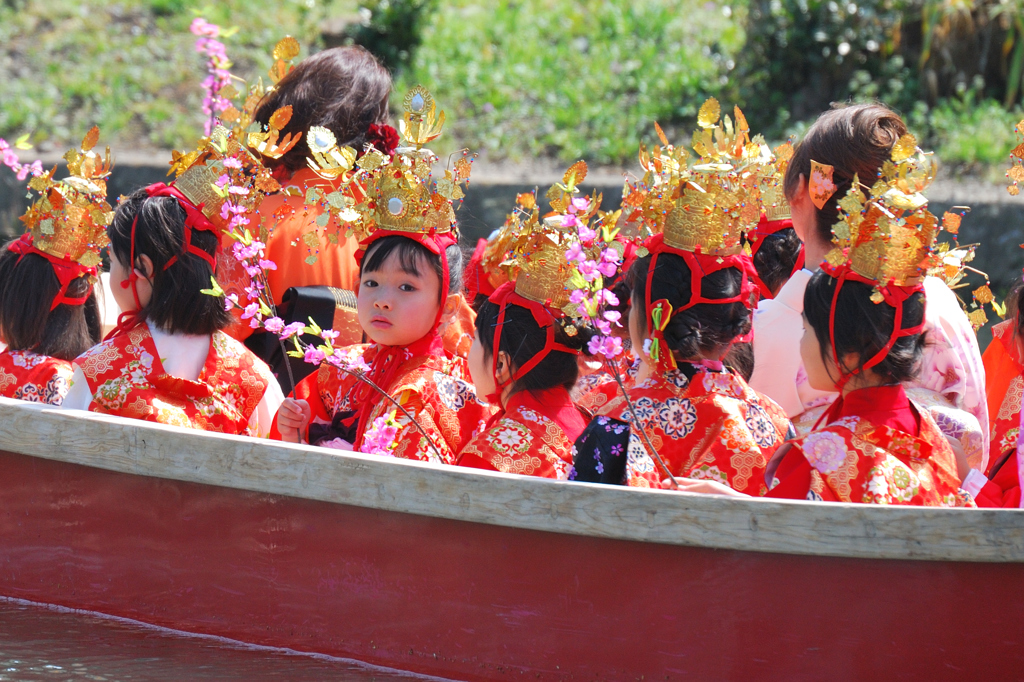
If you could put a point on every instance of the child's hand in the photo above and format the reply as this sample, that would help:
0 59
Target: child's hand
292 418
692 485
962 467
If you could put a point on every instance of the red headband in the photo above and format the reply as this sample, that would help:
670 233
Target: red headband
701 265
764 229
67 270
891 294
194 219
543 314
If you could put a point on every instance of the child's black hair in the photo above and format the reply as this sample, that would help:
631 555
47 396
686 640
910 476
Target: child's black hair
704 330
27 290
523 339
864 327
410 253
776 257
177 304
741 358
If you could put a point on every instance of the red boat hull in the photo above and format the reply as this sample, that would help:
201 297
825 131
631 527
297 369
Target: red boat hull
478 601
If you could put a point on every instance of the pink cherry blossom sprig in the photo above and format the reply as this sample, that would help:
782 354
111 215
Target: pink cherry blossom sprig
9 158
593 261
218 76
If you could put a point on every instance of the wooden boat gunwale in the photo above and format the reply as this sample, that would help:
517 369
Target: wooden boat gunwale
745 524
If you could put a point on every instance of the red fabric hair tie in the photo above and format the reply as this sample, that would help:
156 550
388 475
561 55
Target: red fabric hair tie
543 315
891 294
764 229
66 270
194 220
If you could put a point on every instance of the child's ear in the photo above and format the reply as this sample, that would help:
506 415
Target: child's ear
145 266
451 308
850 362
503 371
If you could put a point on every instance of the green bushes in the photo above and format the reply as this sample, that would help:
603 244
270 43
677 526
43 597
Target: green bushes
573 79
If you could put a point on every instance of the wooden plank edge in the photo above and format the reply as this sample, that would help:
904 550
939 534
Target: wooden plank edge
762 525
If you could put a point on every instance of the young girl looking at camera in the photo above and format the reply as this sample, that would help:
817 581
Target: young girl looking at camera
410 270
168 360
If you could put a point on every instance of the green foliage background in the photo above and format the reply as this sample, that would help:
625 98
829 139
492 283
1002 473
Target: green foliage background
526 78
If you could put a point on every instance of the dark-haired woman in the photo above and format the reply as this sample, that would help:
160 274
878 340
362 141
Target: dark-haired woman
876 447
527 374
345 90
408 287
168 361
858 140
44 324
702 418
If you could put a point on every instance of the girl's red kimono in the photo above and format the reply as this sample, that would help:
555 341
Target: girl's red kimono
126 378
534 436
705 423
594 390
433 386
25 375
878 448
1000 485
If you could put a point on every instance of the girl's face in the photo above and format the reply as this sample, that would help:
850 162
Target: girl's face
480 368
123 292
814 365
395 307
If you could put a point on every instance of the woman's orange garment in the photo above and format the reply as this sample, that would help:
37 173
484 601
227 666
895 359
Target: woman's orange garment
293 236
1003 367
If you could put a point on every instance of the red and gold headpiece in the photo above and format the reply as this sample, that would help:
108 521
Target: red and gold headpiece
537 266
701 211
67 225
886 238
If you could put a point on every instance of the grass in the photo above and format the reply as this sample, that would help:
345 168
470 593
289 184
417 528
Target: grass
129 67
569 79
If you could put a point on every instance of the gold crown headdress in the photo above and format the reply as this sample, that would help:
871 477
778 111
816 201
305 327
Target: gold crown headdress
67 225
1016 171
888 236
401 195
69 221
535 247
709 204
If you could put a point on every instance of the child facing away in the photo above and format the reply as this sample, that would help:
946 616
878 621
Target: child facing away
687 415
524 357
402 299
844 143
168 360
864 318
48 309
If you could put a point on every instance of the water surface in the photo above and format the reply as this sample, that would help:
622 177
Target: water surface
48 643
